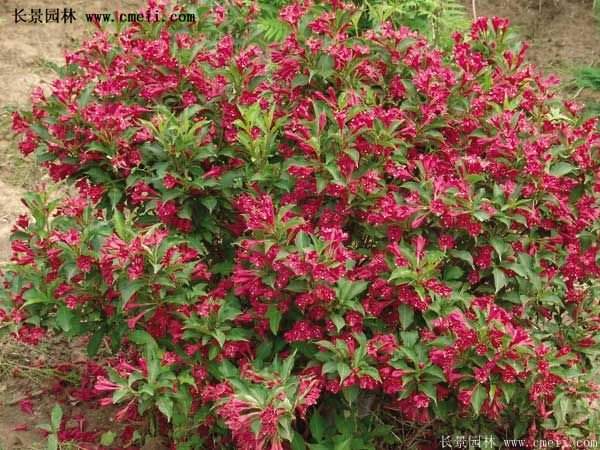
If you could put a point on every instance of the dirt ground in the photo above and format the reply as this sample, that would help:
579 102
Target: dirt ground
563 35
25 51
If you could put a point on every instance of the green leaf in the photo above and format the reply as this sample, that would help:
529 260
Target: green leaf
94 343
274 315
317 426
35 296
429 390
499 245
65 318
119 222
230 309
499 279
343 445
518 269
347 290
508 390
52 442
403 275
288 366
220 337
325 64
409 338
299 80
321 183
141 337
410 354
478 398
209 202
329 367
107 438
561 168
464 255
302 241
165 406
520 428
436 372
453 273
85 96
407 315
298 442
338 321
343 370
128 288
56 417
264 350
115 196
482 216
371 372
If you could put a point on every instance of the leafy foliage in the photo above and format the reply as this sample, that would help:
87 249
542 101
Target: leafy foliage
589 78
436 19
301 244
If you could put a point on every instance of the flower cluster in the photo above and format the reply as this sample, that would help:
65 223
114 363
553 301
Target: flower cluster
275 239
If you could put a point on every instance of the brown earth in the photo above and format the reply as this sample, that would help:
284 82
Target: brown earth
563 35
25 53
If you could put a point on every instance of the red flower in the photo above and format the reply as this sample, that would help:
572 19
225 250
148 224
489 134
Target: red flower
26 406
170 182
142 192
84 263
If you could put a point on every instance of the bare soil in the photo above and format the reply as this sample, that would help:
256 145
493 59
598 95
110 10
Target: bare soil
564 34
25 372
26 50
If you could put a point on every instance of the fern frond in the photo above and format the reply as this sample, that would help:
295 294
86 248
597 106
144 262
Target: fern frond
272 29
451 17
588 77
436 19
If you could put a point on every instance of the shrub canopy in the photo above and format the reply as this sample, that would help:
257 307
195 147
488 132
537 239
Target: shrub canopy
299 244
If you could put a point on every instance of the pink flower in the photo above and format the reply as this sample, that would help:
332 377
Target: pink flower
103 384
464 397
438 287
84 263
446 242
142 192
259 212
500 24
169 181
167 210
419 243
26 406
136 267
303 331
420 400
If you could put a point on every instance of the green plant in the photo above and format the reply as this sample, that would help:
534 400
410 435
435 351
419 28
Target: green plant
53 428
589 78
336 240
436 19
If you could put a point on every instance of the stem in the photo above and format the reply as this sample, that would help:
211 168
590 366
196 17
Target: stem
474 9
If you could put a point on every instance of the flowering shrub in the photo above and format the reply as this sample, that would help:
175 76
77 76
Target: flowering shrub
297 245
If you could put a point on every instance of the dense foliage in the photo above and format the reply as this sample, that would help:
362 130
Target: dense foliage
305 243
588 77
